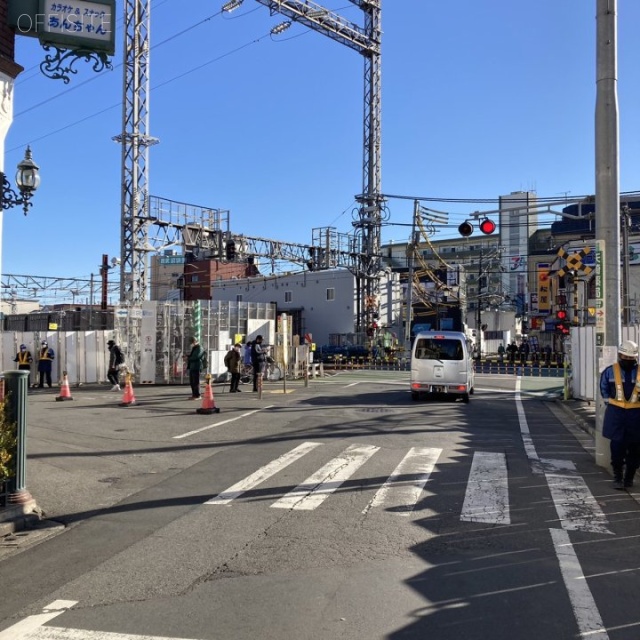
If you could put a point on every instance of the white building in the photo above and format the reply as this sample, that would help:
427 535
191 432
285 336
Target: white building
518 220
323 303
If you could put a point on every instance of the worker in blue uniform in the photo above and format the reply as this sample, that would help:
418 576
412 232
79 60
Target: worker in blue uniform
620 388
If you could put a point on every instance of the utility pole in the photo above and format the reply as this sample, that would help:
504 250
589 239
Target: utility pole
608 329
478 310
411 252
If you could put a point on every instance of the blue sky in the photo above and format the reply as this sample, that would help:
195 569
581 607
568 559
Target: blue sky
479 98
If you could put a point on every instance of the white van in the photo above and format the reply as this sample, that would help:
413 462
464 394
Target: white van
441 364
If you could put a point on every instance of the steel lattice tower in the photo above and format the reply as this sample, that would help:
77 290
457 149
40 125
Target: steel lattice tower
365 40
135 140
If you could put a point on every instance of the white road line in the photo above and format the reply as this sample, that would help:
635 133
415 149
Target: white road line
219 424
25 628
575 505
353 384
60 633
530 450
577 509
404 486
487 495
318 486
584 607
263 473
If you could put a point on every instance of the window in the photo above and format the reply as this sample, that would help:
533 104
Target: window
439 349
287 296
239 297
195 278
331 294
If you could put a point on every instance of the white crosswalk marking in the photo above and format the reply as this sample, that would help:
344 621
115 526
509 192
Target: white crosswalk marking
59 633
403 487
577 509
487 495
317 487
25 629
263 473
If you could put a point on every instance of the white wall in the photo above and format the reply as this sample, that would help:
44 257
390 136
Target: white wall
307 290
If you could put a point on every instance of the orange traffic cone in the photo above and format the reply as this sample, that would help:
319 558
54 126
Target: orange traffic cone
128 398
65 392
208 403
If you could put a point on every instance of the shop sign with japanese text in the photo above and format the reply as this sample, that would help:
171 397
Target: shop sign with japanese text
73 24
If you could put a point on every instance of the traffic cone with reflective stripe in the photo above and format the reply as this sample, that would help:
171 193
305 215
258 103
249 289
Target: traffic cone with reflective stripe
65 392
208 403
128 398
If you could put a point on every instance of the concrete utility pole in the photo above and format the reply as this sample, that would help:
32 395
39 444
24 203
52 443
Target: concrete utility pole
608 329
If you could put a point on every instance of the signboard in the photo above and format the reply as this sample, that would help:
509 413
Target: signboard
544 288
600 294
72 24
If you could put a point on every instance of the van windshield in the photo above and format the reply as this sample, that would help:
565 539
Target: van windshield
440 349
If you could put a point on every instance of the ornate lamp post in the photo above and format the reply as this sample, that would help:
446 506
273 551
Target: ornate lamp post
27 179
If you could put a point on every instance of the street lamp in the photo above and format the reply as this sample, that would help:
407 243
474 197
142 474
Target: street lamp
27 179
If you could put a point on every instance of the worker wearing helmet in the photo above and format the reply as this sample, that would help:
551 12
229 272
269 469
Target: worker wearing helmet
620 388
24 360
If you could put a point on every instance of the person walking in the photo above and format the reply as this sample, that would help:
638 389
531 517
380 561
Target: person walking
258 360
46 357
620 389
115 360
195 364
233 362
24 360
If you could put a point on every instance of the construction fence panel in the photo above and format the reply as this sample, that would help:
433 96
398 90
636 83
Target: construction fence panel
154 338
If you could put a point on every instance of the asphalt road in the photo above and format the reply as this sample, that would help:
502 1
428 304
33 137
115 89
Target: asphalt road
341 510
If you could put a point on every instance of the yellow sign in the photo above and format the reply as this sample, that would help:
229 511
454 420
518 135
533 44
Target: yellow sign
313 346
53 326
544 288
592 311
237 339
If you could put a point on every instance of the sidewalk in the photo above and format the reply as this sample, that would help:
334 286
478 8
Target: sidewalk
582 411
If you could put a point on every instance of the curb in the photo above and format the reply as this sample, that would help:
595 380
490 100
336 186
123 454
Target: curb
19 517
580 421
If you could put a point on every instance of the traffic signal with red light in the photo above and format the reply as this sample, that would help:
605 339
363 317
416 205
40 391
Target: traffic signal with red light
465 229
562 322
487 226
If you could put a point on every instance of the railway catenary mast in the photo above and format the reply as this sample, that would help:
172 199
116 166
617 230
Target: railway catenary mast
135 140
367 41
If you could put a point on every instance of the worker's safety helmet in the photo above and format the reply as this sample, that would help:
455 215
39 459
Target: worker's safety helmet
629 349
23 347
